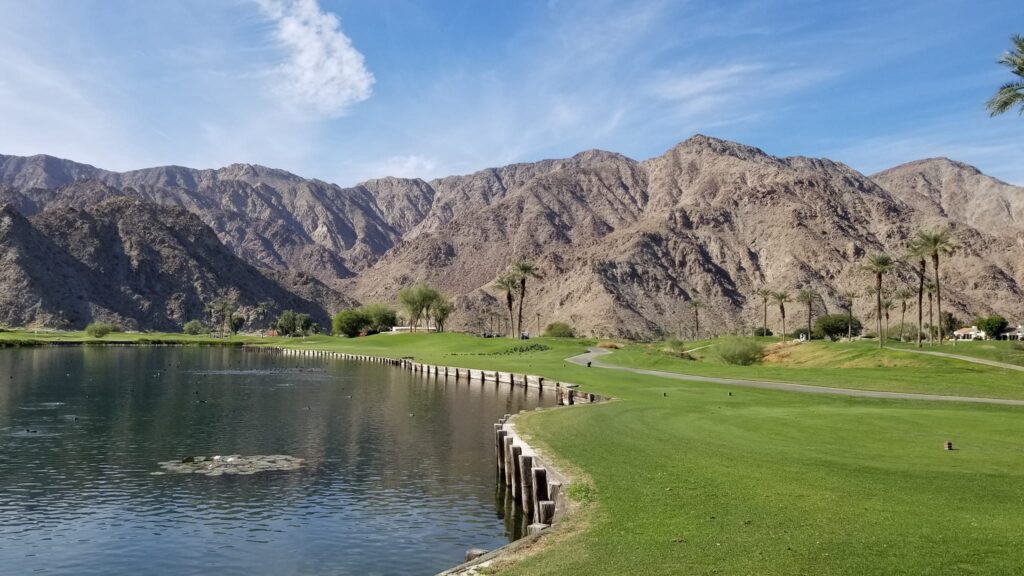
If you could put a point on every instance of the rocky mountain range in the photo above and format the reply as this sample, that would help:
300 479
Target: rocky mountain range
623 244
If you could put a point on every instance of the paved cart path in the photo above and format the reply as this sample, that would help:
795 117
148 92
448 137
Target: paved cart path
595 353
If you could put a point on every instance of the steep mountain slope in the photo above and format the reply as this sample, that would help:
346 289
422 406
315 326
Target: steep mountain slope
134 263
623 244
959 192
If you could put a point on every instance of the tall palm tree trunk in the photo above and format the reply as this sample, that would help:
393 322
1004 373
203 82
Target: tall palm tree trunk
903 318
931 321
849 322
522 298
938 293
878 308
764 323
511 316
809 305
920 300
696 323
782 311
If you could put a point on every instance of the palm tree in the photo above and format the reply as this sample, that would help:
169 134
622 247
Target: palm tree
917 253
696 305
934 243
887 306
523 270
929 288
509 284
781 297
903 294
1012 93
846 300
808 296
879 264
765 294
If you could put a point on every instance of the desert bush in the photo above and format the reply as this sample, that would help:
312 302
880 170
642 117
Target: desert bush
98 329
762 331
559 330
194 327
833 326
609 344
739 351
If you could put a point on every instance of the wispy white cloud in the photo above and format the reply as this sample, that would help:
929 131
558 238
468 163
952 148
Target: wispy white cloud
401 166
322 71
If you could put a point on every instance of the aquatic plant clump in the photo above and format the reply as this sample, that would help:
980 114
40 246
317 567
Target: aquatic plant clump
231 464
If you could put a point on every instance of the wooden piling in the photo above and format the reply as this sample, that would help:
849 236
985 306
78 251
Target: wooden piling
517 451
502 433
539 486
526 483
545 511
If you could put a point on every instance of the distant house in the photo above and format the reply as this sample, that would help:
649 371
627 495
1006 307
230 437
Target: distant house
406 329
1013 333
971 333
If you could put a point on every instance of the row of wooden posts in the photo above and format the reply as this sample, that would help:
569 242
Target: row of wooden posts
526 476
566 394
535 487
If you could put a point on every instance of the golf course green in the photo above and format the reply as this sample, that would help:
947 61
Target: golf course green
680 477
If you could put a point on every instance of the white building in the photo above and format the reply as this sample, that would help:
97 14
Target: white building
1013 333
971 333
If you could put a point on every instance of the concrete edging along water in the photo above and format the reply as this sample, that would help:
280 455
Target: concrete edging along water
537 488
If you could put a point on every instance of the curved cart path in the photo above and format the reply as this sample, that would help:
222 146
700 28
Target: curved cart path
971 359
594 353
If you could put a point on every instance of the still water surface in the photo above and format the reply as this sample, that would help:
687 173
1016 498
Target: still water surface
398 477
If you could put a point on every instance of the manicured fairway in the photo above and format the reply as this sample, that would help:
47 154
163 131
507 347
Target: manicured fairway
1010 352
689 480
684 478
859 365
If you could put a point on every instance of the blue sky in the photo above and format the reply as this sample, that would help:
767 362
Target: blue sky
346 90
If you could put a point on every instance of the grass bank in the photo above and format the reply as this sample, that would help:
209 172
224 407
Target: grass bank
690 478
859 365
684 478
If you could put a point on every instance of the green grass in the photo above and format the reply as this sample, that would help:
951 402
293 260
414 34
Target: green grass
682 478
1010 352
859 365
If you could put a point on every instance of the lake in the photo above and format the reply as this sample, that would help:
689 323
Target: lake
398 474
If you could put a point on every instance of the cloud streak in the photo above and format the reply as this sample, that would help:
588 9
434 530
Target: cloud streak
322 72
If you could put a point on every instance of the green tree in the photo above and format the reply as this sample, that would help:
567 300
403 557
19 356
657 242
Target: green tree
1010 94
441 308
808 296
781 297
509 285
417 300
236 323
993 326
98 329
524 270
879 264
834 326
903 294
349 322
193 327
936 243
303 324
287 324
379 317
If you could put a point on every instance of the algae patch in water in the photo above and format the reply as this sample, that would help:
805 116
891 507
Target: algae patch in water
231 464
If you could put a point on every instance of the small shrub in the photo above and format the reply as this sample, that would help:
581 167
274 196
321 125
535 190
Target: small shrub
833 326
98 329
739 351
762 331
349 322
559 330
609 344
993 326
194 327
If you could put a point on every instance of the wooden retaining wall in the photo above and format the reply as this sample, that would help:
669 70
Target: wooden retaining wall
567 394
536 487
